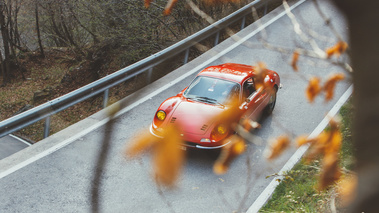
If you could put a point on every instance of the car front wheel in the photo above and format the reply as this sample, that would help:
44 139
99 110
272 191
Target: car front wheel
271 104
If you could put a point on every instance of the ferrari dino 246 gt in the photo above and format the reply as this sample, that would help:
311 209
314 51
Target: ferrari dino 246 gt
215 89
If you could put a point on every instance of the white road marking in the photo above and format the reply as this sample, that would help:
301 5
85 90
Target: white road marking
266 194
156 92
20 139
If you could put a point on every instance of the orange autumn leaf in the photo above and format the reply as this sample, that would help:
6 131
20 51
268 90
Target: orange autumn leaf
337 49
236 147
170 4
277 146
147 3
313 89
330 171
330 85
295 58
167 157
335 138
249 124
142 144
260 75
302 140
327 144
229 117
346 189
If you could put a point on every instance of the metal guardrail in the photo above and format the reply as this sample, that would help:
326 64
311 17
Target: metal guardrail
46 110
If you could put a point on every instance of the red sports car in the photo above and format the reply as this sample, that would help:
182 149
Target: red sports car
195 109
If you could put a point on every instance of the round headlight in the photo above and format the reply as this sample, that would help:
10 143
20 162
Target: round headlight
221 129
161 115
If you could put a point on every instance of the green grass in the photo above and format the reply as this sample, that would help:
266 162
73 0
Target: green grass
298 191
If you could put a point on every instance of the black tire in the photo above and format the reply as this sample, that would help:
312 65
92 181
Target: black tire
271 105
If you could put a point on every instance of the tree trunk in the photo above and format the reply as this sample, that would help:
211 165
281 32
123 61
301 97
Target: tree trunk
5 33
363 19
38 31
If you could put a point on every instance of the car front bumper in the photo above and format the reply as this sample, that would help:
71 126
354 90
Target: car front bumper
191 144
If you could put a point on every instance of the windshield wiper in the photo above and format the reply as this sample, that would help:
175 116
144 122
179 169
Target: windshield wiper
209 100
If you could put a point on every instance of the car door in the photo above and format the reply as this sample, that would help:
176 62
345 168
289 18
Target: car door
255 102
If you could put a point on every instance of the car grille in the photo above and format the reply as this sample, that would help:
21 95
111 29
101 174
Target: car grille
204 127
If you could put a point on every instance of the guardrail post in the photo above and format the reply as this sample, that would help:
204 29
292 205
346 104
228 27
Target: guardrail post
46 129
243 22
186 56
105 98
149 74
217 37
265 11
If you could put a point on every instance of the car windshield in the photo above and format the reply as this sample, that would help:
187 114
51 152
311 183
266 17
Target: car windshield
212 90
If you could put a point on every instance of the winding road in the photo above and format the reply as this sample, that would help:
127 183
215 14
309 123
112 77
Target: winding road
55 174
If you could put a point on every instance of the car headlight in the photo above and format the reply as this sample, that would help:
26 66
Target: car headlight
219 132
161 115
221 129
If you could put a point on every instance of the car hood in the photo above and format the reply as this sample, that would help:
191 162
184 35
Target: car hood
194 117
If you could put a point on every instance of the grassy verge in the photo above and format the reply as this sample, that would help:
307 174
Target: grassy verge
298 192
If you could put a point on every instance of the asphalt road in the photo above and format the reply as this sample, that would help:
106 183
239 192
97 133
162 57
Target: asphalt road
11 144
55 174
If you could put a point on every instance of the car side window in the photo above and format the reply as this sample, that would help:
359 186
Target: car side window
248 87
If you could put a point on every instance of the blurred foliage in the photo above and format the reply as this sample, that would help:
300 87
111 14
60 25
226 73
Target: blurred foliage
298 192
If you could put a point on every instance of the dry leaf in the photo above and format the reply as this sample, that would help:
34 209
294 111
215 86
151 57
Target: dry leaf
170 4
303 139
147 3
249 124
167 158
328 145
144 143
337 49
328 142
330 85
236 147
313 89
346 189
277 146
260 75
295 58
330 171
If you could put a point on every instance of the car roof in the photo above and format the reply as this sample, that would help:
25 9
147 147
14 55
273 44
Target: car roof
229 71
